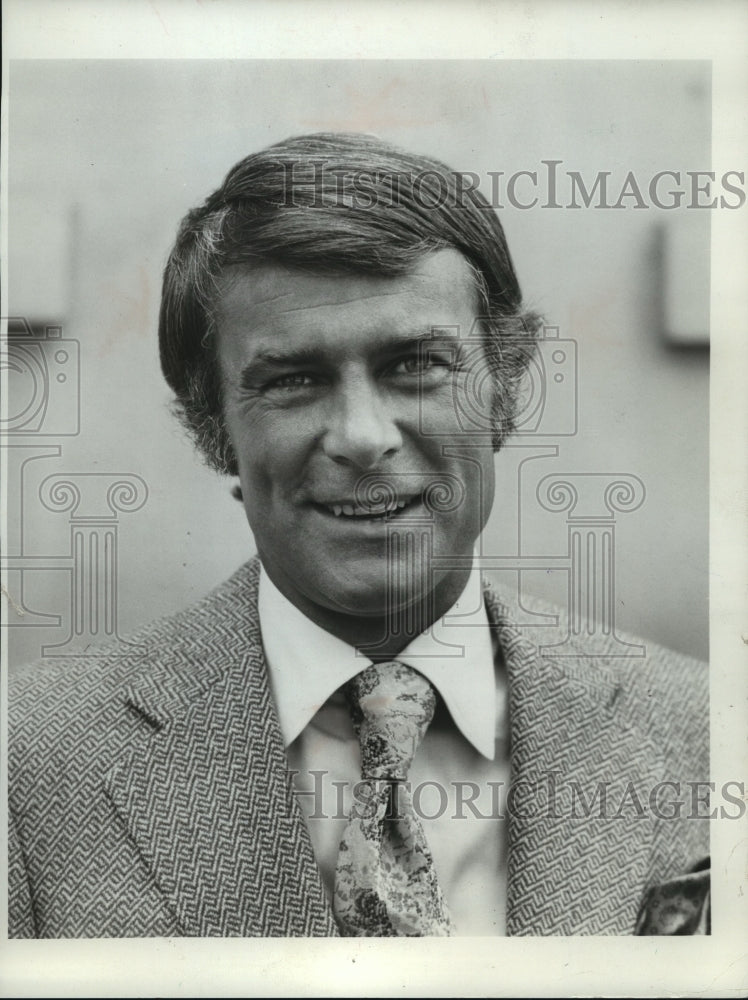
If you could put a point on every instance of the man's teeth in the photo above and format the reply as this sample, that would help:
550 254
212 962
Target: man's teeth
348 510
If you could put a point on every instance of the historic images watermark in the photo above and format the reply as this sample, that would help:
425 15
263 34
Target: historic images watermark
547 411
44 411
548 797
549 185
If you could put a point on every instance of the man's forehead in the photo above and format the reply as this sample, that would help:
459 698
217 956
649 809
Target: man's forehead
270 291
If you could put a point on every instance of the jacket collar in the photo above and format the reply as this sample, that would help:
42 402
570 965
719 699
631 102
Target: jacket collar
210 805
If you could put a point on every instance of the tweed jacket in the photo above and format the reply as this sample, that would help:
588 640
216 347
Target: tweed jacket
148 791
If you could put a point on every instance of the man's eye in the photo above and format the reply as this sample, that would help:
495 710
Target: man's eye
421 364
294 380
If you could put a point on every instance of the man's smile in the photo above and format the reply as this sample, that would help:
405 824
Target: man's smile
383 509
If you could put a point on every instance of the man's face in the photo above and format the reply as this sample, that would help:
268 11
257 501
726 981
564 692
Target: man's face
327 391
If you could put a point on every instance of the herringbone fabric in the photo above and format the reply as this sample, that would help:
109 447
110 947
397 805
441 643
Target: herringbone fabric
148 792
385 880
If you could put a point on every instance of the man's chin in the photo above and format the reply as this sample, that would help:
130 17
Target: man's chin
363 584
381 599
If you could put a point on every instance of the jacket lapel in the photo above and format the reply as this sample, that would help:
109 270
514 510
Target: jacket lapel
205 794
580 830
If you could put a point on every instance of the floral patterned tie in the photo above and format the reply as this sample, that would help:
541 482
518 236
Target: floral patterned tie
385 881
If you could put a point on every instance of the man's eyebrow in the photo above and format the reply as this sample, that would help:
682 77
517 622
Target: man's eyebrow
275 358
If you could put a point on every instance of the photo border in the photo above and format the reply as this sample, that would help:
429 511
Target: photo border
716 966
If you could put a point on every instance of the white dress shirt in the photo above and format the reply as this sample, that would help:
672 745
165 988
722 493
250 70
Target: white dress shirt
460 773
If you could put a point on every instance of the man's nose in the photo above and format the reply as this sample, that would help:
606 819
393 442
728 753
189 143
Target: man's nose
362 428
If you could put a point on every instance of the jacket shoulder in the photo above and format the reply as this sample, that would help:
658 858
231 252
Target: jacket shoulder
86 689
666 689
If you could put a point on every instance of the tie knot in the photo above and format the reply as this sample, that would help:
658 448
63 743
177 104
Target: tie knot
391 708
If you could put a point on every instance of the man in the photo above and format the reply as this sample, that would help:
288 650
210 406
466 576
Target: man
352 735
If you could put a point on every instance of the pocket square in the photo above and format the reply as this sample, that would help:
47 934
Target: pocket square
680 906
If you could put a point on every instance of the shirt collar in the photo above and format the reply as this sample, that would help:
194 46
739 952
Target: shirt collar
308 664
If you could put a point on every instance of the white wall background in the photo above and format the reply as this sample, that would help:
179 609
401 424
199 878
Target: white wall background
106 157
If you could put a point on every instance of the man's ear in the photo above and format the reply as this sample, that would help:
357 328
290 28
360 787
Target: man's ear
236 493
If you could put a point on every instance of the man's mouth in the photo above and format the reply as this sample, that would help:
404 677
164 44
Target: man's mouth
385 509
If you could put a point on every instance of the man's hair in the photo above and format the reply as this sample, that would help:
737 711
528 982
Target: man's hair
334 203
